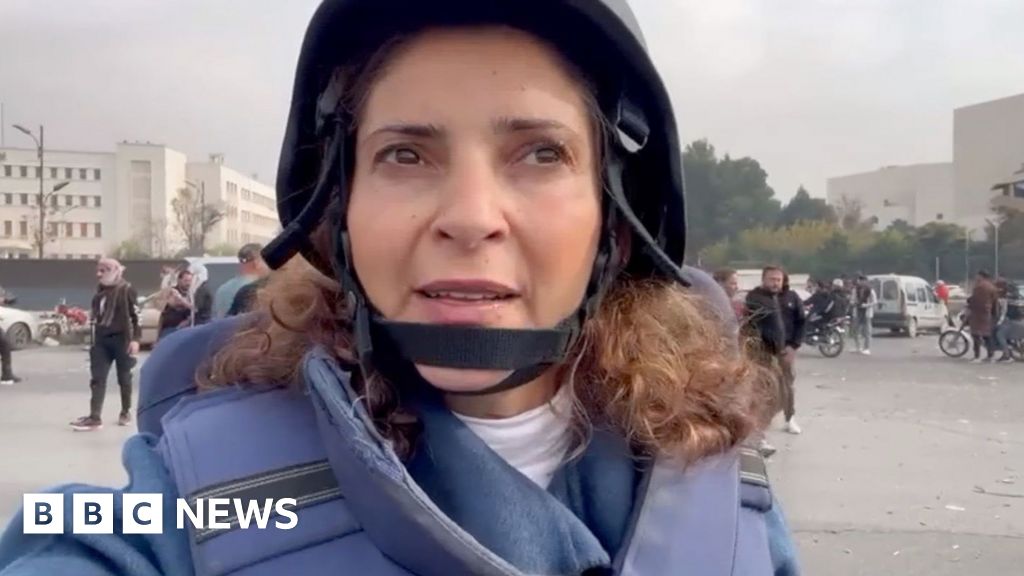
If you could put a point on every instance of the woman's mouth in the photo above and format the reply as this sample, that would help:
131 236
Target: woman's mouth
464 301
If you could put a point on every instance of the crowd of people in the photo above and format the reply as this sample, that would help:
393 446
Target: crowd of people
995 316
184 301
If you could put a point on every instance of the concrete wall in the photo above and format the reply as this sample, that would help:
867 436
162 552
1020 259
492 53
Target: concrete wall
918 193
988 147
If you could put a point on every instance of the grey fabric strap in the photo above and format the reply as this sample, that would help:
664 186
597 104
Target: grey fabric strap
309 484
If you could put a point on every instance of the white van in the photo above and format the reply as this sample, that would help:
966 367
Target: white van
906 304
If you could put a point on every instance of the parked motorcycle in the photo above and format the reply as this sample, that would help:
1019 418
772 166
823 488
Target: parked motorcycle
830 338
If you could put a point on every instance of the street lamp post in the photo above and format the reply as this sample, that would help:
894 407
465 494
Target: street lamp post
41 233
995 237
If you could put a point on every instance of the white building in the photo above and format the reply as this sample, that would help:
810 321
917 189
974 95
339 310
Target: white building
108 198
988 150
917 194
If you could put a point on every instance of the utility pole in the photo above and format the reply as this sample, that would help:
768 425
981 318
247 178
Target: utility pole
967 258
41 232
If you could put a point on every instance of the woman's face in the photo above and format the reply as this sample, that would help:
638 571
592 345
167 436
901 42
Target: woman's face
475 199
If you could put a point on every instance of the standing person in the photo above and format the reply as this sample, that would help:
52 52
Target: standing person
460 383
820 307
982 312
200 295
1012 326
864 303
7 377
776 313
841 299
726 278
177 312
250 269
115 341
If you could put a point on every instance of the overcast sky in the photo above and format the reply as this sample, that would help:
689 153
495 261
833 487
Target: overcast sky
810 88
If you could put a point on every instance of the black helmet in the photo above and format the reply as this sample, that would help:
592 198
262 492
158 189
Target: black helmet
643 175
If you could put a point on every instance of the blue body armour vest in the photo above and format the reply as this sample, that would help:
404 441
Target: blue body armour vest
360 512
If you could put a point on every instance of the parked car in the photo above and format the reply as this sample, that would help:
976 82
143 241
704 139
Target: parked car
906 304
21 328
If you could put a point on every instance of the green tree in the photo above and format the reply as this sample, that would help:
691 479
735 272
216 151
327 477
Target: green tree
131 250
803 208
902 226
724 196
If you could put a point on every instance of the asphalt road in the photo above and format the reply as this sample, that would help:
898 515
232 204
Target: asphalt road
910 463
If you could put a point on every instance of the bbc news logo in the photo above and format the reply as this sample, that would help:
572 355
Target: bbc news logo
144 513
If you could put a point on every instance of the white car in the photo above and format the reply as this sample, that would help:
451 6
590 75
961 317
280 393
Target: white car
21 327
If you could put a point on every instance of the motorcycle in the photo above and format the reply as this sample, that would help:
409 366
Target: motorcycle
830 338
955 340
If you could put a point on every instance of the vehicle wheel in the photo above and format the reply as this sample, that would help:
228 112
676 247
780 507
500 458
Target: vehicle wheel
833 344
912 328
19 336
1016 350
954 343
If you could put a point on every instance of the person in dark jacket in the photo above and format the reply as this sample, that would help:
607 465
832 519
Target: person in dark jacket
245 298
487 360
820 307
776 314
115 341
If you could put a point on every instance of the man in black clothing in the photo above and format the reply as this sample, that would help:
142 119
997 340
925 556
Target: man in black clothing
245 298
777 315
115 341
820 307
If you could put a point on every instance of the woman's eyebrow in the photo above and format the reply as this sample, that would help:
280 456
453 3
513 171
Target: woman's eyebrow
507 124
410 129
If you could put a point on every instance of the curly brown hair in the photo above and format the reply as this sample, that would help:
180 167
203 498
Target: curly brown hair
654 363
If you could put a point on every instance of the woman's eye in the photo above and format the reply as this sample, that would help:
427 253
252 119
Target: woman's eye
545 155
403 156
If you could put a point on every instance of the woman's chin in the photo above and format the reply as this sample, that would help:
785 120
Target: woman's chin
459 380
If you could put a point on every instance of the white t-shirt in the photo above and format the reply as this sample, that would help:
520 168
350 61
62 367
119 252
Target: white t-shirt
534 442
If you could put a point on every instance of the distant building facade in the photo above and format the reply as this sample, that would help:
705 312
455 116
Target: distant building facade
109 198
988 158
916 194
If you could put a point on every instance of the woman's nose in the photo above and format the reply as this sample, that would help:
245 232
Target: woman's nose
470 209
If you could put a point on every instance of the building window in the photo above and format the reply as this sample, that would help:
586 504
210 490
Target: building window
51 229
69 200
23 170
53 172
8 198
83 200
83 173
7 170
22 229
83 230
96 174
8 228
97 201
53 200
99 229
35 172
1018 189
67 173
24 199
69 229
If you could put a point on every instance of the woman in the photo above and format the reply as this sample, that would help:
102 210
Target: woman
491 365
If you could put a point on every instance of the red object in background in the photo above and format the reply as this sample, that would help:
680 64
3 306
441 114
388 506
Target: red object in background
942 293
76 316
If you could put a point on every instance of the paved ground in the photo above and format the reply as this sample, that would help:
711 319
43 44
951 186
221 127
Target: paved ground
910 463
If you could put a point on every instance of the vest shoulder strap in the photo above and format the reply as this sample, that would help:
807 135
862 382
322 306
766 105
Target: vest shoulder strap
755 490
253 446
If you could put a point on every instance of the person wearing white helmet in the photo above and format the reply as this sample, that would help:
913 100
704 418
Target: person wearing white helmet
490 359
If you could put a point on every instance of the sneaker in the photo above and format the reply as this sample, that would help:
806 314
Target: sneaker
765 448
1006 360
86 424
11 381
124 419
792 427
976 361
866 352
991 360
